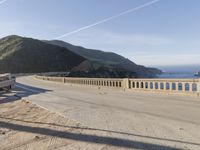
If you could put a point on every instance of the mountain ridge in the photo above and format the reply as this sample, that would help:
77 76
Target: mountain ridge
108 59
27 55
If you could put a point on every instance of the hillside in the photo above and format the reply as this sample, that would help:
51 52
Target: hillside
108 59
26 55
86 69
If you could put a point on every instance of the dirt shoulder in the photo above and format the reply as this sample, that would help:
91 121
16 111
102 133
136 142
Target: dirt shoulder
24 125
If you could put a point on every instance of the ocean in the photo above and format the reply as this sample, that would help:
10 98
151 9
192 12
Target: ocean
181 75
184 72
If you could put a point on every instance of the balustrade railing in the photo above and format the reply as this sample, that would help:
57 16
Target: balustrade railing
188 86
165 85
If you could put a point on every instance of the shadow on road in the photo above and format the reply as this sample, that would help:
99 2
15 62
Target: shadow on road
20 91
117 142
7 97
101 130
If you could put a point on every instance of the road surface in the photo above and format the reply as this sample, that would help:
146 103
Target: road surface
154 118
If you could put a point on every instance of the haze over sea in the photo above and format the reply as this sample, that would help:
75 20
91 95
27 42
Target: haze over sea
183 71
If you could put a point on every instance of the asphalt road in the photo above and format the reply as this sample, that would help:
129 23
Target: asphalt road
159 118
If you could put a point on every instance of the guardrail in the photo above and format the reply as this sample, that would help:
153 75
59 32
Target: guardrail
181 86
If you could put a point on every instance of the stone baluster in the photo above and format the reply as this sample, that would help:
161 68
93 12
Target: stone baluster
139 87
154 87
191 87
183 87
177 86
170 86
198 87
165 86
158 85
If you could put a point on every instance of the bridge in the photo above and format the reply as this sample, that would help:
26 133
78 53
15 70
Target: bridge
157 111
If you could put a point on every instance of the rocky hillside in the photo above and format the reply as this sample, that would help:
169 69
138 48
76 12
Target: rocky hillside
110 60
26 55
104 72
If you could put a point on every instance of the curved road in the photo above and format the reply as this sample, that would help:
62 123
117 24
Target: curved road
155 118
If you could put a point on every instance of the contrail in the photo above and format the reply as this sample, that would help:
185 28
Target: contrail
108 19
3 1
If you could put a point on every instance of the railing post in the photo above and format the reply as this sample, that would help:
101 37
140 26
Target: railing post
158 85
125 84
139 87
198 88
191 87
164 86
154 85
170 86
183 87
177 87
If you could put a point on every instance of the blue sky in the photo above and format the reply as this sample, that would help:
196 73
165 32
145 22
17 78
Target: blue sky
165 33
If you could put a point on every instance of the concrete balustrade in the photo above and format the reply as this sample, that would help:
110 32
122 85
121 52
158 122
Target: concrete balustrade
182 86
116 83
186 86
